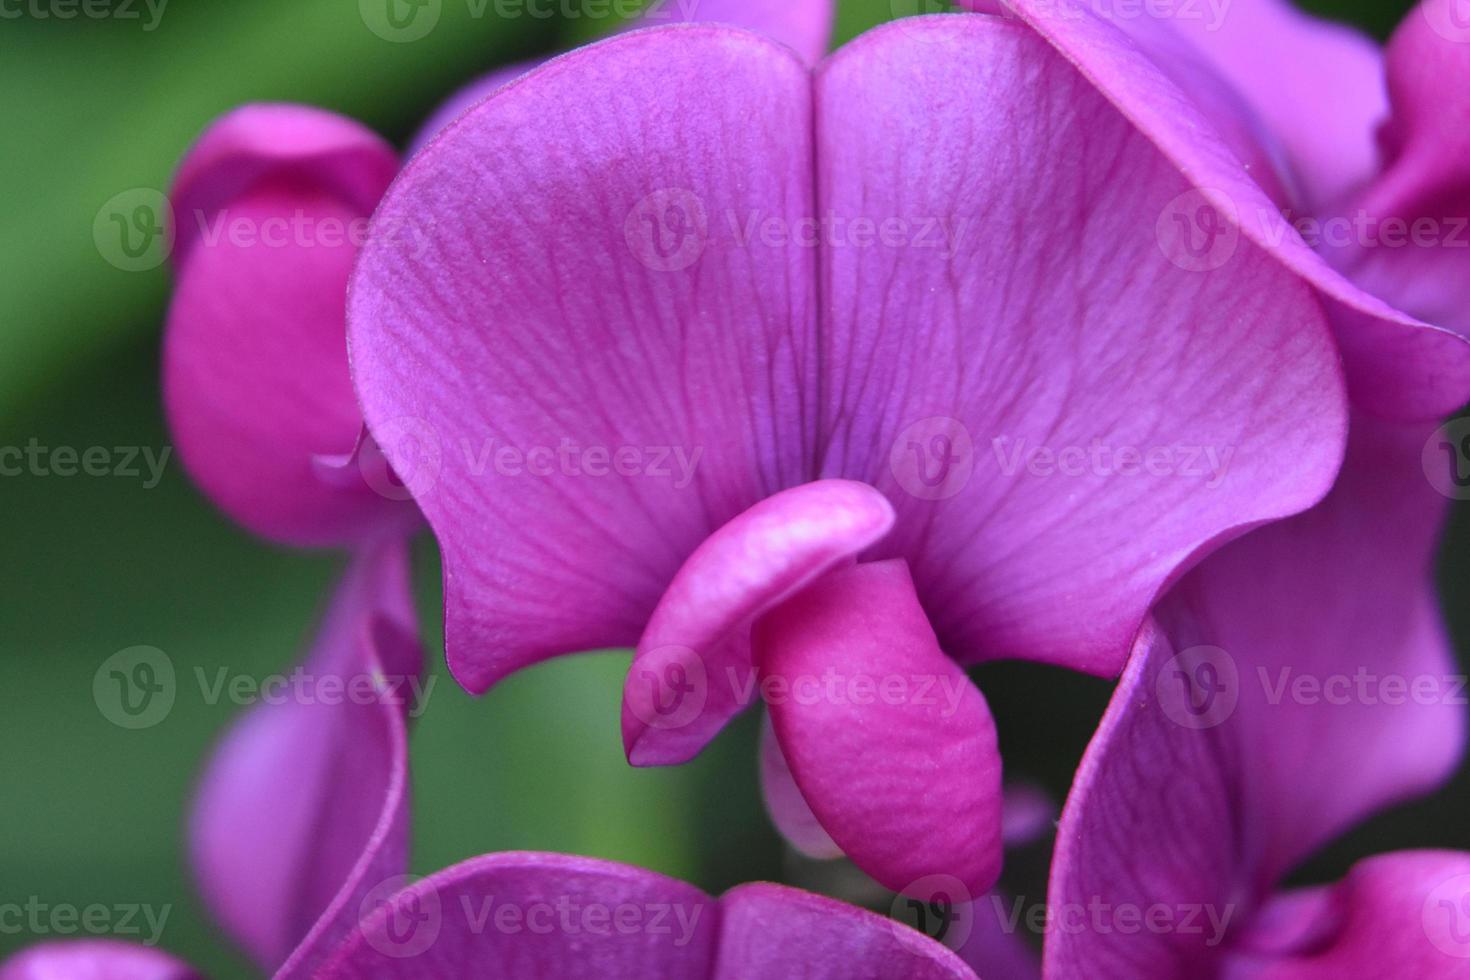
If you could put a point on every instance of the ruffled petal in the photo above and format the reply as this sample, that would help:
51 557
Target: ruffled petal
1062 416
271 204
1153 821
692 671
1405 914
534 915
1407 236
1345 689
95 959
772 931
892 746
304 805
605 371
1395 364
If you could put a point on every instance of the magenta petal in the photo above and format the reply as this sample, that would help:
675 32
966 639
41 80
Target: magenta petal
699 635
466 99
1405 914
597 400
255 377
534 915
277 140
892 746
304 805
1152 819
784 802
1395 364
94 959
1089 414
772 931
1346 691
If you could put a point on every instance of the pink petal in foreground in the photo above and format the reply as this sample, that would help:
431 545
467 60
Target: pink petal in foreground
546 342
572 918
271 202
304 805
692 671
95 959
892 746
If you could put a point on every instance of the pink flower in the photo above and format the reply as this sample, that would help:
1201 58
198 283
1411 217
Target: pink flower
941 388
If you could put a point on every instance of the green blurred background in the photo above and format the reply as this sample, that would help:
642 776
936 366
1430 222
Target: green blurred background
93 813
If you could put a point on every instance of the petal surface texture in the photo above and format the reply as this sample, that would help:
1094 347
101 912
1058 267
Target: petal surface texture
891 745
304 805
255 376
1037 382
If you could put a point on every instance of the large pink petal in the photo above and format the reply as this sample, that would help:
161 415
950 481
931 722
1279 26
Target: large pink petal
466 99
604 371
698 637
1395 364
304 805
94 959
535 915
772 931
1043 322
1153 820
892 746
1346 685
1405 914
255 377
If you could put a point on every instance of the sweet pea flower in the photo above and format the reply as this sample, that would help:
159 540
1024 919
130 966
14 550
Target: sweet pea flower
299 838
820 385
